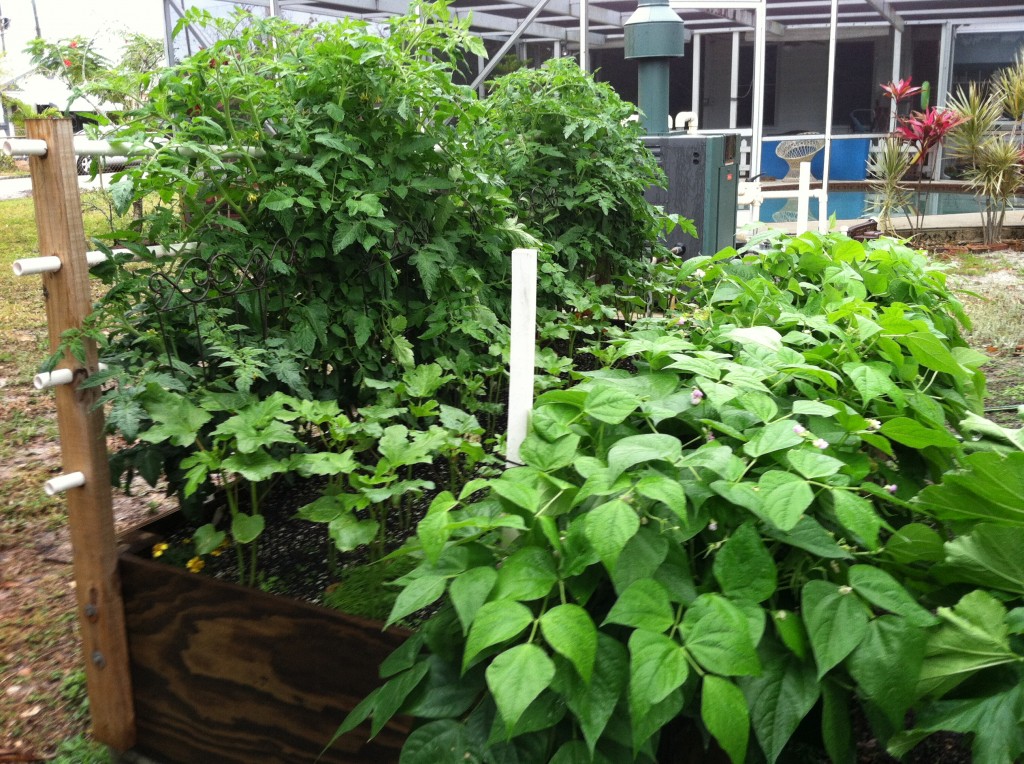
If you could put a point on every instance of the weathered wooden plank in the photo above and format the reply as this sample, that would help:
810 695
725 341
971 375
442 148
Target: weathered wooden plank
227 674
83 445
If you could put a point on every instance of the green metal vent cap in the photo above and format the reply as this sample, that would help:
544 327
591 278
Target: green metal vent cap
654 31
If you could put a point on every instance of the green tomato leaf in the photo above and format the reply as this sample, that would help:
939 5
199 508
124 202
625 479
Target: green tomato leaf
176 420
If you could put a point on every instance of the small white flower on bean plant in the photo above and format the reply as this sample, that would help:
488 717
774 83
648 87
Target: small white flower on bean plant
820 443
713 525
698 274
681 321
696 396
874 424
891 488
799 429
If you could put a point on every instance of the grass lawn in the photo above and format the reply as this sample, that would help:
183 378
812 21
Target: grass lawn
42 692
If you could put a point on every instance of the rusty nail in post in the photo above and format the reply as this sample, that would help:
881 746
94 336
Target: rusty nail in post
98 659
91 612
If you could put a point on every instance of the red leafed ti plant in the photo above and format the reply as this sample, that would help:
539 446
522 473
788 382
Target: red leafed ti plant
905 154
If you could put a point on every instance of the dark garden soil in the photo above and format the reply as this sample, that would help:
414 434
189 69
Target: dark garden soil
39 649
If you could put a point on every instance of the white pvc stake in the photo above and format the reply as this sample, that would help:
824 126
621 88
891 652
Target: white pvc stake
29 147
62 483
27 266
522 361
803 197
53 378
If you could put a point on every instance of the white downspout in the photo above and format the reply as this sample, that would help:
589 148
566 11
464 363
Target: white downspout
757 104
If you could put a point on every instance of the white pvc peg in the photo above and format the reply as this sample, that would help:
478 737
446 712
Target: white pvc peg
29 265
53 378
27 147
62 483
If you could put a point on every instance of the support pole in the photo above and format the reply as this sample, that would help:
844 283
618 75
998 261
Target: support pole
897 56
829 95
734 81
696 75
803 198
83 445
584 35
757 101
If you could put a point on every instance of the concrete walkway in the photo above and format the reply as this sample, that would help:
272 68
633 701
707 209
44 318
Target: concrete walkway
18 188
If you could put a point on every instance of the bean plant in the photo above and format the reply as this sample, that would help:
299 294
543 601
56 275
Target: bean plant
746 515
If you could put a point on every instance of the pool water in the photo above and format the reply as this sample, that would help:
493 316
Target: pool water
854 205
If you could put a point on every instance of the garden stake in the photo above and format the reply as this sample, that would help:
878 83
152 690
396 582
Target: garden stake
83 445
521 353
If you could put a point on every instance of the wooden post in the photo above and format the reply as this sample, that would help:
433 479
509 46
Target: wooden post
83 445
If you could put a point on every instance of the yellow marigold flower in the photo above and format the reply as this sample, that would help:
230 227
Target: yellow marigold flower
195 565
159 549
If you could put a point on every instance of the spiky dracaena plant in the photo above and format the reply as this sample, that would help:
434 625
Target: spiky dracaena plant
994 159
888 168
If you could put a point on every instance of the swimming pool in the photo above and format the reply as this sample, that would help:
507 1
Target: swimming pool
858 204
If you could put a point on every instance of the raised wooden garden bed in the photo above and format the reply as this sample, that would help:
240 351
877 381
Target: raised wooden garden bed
228 674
